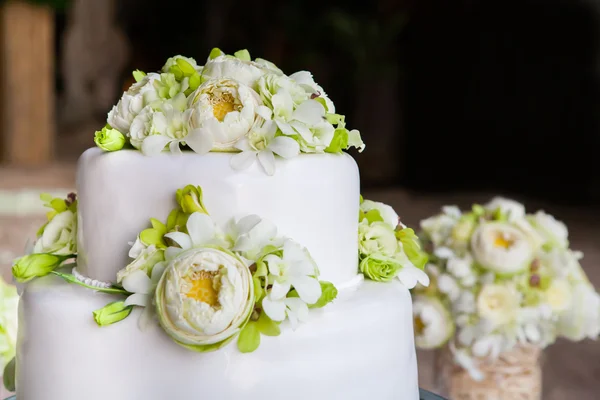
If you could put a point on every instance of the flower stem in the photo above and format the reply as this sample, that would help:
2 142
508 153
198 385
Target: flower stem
72 279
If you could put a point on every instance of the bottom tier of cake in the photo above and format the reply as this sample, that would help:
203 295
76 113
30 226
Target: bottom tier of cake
359 347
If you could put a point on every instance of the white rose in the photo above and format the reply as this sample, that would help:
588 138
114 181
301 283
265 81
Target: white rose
132 103
510 208
498 303
59 236
554 232
387 212
305 79
376 238
224 111
433 324
582 319
501 248
229 67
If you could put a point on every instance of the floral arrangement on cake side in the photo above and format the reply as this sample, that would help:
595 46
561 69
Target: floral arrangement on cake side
9 301
503 282
231 103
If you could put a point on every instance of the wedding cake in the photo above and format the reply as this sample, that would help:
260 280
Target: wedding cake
218 247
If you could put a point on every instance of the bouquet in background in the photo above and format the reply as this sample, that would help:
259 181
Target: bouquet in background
9 301
501 278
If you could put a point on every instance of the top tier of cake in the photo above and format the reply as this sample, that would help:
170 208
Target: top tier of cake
313 199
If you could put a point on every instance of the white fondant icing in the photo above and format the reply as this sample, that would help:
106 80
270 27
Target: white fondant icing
313 199
358 347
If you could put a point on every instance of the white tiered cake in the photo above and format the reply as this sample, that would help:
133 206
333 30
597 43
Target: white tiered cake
225 315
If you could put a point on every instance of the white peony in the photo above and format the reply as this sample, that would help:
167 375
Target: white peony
261 144
432 322
554 231
509 208
376 238
498 303
387 212
224 111
582 319
229 67
59 235
204 298
501 248
132 103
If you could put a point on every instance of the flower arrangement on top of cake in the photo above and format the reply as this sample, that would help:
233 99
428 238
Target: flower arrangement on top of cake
501 279
230 104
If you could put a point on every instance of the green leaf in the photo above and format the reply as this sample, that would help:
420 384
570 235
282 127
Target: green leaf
186 68
339 141
138 75
328 293
153 236
214 53
9 375
267 326
249 338
243 55
111 313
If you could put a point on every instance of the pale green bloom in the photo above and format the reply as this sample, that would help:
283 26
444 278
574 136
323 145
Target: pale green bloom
168 87
109 139
432 322
111 313
508 209
145 258
132 103
380 268
462 231
223 112
204 298
190 199
317 138
501 248
498 303
59 235
9 301
269 84
376 238
559 295
305 80
386 212
36 265
177 65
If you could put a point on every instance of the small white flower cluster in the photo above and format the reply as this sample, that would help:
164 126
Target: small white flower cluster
230 104
501 278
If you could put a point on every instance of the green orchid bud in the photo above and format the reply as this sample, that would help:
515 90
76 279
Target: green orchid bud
36 265
111 313
109 139
190 199
379 268
214 53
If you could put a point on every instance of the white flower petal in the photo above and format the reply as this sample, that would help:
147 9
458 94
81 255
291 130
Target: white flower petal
410 276
279 290
138 299
245 224
274 309
311 112
182 239
172 252
267 160
242 160
157 271
200 140
284 146
297 307
285 128
308 288
154 144
264 112
137 282
174 147
243 144
201 228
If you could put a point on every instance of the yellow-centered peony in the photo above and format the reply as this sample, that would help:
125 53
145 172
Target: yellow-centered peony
204 287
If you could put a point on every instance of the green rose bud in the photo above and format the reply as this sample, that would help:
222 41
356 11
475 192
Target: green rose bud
190 199
36 265
379 268
109 139
111 313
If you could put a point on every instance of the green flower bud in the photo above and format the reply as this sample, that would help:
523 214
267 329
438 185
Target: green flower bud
214 53
190 199
379 268
138 75
111 313
243 55
109 139
9 375
36 265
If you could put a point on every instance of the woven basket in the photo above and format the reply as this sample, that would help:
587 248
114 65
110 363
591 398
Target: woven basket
515 375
